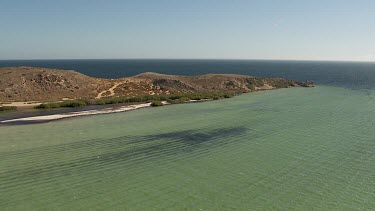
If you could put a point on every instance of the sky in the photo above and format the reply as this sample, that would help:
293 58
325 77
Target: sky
188 29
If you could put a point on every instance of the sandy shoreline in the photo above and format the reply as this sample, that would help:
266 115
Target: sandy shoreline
52 117
44 118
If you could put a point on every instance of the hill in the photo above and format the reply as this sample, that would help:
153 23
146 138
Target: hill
43 84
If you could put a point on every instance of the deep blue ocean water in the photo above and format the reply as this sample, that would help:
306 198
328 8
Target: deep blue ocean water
344 74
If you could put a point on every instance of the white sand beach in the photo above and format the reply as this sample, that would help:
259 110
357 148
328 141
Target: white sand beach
80 113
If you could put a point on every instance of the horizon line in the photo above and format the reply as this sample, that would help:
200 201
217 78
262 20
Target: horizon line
217 59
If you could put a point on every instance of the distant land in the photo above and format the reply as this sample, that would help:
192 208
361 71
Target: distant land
46 85
43 88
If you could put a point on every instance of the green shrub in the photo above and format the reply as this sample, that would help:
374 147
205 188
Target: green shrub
7 108
73 104
155 99
251 87
63 104
184 99
46 106
176 101
196 98
156 103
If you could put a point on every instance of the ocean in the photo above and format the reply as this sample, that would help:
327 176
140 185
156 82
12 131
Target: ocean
347 74
285 149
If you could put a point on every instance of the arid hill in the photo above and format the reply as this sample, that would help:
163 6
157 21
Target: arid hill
42 84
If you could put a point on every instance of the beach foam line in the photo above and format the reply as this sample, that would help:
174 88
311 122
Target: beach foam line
79 113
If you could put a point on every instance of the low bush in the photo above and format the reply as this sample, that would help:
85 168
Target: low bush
156 103
184 99
63 104
155 99
7 108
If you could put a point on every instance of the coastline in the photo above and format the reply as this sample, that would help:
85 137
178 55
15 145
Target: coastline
71 114
43 89
67 114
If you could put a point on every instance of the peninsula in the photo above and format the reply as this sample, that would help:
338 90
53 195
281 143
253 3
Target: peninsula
26 84
44 88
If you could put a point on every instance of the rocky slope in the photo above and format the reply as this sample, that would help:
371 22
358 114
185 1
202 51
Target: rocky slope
42 84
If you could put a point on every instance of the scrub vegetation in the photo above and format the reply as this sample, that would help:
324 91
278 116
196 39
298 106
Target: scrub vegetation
7 108
156 103
173 99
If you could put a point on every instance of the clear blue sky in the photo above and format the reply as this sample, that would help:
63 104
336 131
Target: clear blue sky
207 29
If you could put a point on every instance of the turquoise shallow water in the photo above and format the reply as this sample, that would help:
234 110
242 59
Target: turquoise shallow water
287 149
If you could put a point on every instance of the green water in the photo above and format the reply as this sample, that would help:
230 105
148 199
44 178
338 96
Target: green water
288 149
